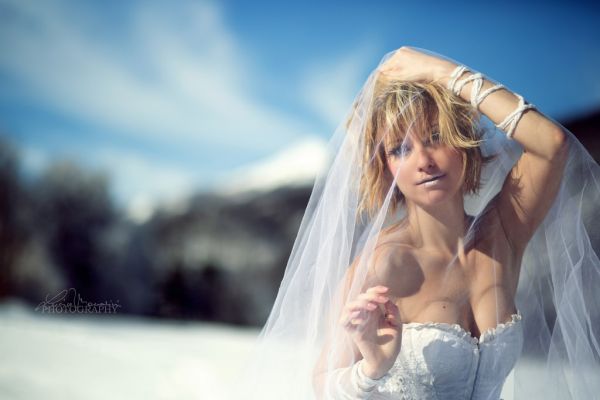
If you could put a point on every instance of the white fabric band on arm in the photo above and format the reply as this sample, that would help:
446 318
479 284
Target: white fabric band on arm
456 86
458 71
476 100
514 117
478 78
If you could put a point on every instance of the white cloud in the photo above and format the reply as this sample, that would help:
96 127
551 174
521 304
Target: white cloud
183 85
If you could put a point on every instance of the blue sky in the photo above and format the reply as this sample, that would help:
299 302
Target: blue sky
170 97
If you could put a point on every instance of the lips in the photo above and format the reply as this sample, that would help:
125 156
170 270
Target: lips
431 178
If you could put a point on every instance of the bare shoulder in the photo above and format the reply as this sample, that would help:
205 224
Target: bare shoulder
396 265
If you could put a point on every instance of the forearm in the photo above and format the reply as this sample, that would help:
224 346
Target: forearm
347 383
537 134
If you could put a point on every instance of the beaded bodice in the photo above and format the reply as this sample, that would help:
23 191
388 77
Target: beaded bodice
443 361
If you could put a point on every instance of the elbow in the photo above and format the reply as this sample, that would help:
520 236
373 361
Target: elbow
560 144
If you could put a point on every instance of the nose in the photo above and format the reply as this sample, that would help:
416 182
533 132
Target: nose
425 161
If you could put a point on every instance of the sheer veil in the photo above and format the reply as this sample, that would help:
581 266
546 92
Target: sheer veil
557 292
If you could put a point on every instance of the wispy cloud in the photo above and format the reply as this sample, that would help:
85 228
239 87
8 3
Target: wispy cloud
175 77
181 80
330 86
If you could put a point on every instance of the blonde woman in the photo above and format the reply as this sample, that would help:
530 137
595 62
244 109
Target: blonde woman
444 248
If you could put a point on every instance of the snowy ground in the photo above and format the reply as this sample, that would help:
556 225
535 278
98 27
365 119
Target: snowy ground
81 357
51 357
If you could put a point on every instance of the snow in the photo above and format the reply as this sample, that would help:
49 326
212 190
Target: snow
115 357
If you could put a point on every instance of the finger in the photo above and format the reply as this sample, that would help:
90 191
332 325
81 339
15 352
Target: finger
377 289
356 316
355 312
361 304
374 297
359 316
356 322
348 322
381 290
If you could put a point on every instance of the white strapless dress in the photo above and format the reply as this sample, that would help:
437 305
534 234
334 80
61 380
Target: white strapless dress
443 361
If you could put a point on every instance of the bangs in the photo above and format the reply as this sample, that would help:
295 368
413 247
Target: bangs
418 125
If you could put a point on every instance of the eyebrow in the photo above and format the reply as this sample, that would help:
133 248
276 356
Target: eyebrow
399 142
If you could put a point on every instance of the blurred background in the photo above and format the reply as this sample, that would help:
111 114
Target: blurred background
156 159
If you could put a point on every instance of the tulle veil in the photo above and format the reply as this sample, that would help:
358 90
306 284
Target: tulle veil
557 292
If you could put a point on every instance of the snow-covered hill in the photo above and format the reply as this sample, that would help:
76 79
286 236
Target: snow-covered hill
296 165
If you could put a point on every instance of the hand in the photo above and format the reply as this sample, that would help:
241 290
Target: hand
373 322
408 64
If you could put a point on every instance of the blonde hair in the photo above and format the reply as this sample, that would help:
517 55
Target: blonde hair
399 105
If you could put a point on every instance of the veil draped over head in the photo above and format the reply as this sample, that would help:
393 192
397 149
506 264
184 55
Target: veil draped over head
354 210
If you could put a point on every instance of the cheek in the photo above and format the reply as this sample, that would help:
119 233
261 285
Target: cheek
399 171
455 164
453 160
458 161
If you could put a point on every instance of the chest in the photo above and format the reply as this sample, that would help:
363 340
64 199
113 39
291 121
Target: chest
471 288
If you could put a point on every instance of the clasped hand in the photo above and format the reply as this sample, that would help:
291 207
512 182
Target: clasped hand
409 64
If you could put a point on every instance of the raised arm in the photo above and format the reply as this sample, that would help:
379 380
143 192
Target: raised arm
531 186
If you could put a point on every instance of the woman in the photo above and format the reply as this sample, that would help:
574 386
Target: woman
467 250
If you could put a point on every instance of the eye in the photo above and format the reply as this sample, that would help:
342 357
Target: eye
400 150
434 138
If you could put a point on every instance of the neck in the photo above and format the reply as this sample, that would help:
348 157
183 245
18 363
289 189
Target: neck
442 227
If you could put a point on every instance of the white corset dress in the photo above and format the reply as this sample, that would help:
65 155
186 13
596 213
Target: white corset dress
443 361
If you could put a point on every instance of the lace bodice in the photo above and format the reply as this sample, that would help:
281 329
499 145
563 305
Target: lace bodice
443 361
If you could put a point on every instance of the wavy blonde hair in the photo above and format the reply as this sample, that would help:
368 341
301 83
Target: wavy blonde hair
398 105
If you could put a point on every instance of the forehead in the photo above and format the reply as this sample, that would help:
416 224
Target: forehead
418 128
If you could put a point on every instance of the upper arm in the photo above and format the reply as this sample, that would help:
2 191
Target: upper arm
529 191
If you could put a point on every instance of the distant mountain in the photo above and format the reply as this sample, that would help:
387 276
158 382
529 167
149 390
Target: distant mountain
297 165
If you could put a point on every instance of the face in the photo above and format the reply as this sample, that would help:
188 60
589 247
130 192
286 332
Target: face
427 171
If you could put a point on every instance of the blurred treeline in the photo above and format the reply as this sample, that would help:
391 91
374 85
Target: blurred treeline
219 259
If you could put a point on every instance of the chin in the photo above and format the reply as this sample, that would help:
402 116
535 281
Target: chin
434 198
